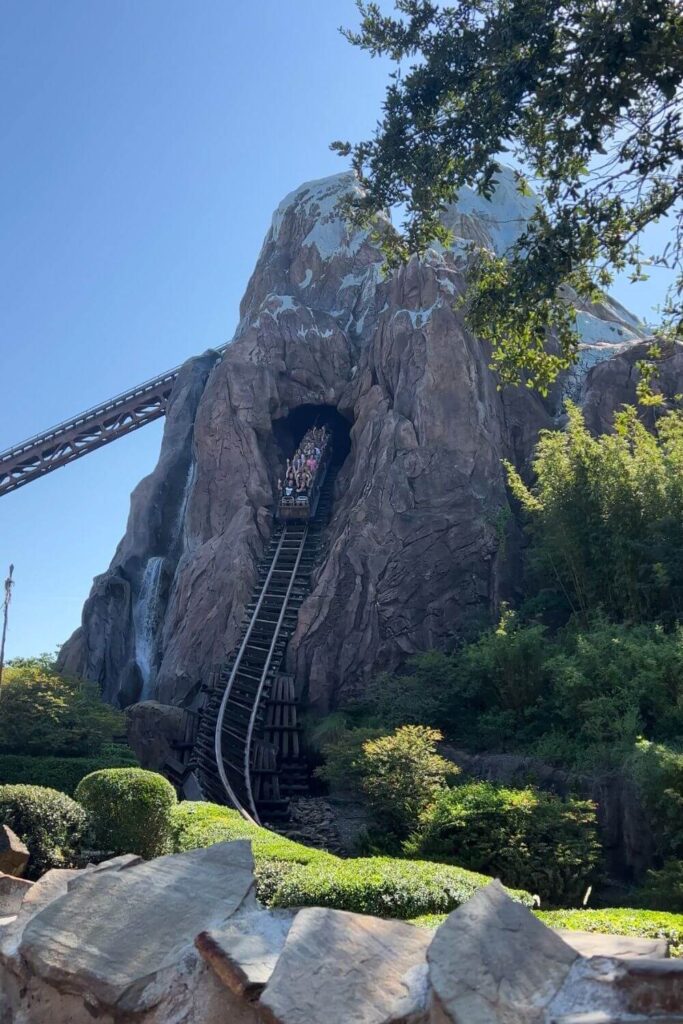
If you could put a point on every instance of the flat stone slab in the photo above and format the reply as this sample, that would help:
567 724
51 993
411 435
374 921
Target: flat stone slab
14 855
244 952
338 968
493 962
120 863
51 886
116 932
628 947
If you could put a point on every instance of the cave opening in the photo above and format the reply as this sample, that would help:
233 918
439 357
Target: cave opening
288 430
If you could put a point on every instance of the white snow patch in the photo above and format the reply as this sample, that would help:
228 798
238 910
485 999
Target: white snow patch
592 330
496 222
307 278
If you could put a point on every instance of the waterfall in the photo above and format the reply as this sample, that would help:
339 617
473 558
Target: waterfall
146 622
180 532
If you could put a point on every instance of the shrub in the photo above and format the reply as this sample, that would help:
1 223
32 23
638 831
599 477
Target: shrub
658 770
343 753
52 825
401 775
62 773
580 698
663 889
130 810
47 713
530 839
382 886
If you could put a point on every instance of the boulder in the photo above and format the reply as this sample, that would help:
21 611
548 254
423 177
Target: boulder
122 936
14 853
243 952
152 730
338 967
493 962
12 892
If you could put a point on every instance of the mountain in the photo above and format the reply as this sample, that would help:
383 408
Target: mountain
421 546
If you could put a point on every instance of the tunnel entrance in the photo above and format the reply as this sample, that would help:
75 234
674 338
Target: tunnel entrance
288 430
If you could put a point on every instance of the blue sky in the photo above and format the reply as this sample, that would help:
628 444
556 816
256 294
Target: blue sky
143 147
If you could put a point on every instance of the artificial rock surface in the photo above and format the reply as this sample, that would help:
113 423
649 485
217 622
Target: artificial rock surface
181 940
414 552
13 853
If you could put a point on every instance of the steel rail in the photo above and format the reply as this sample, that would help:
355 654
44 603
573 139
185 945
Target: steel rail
264 674
218 737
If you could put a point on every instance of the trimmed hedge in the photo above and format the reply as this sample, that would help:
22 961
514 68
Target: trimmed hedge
289 874
130 810
648 924
52 825
62 773
383 886
201 824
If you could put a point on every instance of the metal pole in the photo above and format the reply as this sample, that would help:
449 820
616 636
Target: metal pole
9 583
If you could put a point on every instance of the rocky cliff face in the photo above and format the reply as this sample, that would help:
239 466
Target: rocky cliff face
420 545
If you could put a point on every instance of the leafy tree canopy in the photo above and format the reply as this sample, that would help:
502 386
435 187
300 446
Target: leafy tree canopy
42 712
583 96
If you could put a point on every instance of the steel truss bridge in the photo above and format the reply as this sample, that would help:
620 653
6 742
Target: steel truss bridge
86 432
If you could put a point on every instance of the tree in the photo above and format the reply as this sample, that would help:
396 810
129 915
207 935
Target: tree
606 517
585 96
42 712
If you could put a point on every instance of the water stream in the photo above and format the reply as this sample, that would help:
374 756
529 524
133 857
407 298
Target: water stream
146 621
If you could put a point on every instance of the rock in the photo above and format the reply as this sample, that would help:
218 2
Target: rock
338 967
414 552
243 952
152 729
120 863
49 887
12 892
121 935
493 962
623 947
14 854
603 990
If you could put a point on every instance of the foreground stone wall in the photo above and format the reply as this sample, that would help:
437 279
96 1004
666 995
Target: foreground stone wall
182 940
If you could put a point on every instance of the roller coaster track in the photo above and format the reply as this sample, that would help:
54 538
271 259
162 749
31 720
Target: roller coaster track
246 749
86 432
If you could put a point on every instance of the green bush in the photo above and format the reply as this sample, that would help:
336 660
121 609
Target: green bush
663 889
401 775
130 810
62 773
47 713
530 839
383 886
579 698
289 874
52 825
658 771
621 921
